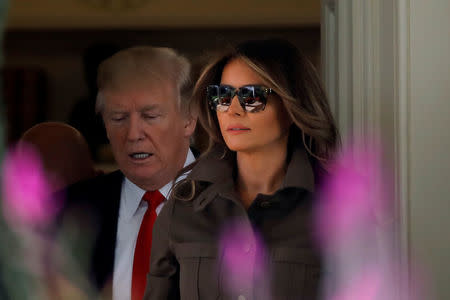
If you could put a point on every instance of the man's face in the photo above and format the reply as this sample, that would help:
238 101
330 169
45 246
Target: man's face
149 135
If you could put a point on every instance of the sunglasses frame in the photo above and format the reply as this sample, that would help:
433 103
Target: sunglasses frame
213 103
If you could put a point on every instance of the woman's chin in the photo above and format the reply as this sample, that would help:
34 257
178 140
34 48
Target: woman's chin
242 148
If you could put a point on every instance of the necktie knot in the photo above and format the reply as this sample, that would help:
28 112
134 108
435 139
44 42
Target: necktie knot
153 199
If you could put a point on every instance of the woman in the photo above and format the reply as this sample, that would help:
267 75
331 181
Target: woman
270 133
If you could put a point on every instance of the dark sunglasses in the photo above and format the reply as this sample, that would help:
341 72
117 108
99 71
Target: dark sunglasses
253 98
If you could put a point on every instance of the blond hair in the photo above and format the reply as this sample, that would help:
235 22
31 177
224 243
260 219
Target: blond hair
144 64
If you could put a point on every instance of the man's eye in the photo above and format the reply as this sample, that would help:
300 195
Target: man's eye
150 117
118 119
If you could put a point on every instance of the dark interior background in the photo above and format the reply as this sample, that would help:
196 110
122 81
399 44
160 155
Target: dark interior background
43 71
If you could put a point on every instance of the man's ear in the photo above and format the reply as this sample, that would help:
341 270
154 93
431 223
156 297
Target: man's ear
106 129
189 126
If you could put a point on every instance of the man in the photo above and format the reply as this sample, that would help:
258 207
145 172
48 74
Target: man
143 104
48 157
63 151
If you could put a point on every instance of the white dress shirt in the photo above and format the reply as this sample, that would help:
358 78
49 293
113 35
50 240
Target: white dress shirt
131 213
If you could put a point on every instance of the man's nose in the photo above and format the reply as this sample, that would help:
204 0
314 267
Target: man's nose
235 107
135 130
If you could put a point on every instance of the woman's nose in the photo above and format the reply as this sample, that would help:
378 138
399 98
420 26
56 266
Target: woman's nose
235 107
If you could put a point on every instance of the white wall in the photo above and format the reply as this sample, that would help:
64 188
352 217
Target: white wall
429 146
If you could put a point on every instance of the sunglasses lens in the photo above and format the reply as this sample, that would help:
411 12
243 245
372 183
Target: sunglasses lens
224 98
253 97
219 97
212 92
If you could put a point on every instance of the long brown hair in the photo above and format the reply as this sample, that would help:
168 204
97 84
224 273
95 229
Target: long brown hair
294 79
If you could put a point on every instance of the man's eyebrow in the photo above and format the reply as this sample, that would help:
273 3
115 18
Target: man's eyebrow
149 107
116 111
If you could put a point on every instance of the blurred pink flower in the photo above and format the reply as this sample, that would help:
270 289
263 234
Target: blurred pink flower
382 281
351 196
26 188
365 287
243 255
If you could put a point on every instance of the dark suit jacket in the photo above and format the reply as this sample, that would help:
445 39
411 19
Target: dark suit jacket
94 206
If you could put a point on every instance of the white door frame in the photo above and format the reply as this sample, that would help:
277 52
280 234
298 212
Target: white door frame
365 67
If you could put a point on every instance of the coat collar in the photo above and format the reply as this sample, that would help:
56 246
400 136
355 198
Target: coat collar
216 169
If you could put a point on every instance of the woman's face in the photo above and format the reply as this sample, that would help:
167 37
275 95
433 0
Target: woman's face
245 131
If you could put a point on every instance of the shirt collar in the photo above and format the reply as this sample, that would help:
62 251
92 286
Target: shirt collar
217 169
133 194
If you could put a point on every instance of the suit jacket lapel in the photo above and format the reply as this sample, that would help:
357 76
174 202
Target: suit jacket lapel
105 245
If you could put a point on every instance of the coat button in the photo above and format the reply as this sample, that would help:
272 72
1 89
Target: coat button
241 297
265 204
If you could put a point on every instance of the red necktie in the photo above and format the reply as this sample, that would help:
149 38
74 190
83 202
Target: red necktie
143 245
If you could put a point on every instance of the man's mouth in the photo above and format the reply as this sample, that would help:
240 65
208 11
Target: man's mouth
140 155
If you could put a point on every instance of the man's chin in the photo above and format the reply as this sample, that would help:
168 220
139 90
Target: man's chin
146 178
139 170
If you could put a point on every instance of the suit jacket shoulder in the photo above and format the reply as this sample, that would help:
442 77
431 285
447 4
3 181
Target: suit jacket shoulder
94 206
97 190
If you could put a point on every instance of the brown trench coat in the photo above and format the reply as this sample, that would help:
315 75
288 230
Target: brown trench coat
186 262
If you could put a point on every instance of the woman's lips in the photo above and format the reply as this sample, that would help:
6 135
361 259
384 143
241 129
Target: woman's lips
237 129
